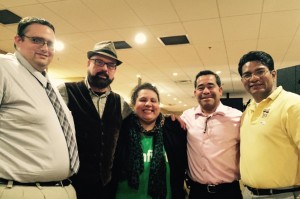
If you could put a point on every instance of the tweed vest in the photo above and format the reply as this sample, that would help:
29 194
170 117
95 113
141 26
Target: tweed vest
96 138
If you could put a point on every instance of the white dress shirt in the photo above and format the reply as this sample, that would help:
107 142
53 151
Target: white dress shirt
32 144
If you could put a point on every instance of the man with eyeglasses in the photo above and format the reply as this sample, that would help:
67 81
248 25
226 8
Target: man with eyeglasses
212 142
34 155
270 132
98 114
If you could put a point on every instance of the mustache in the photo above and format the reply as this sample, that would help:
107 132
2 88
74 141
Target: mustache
102 73
207 96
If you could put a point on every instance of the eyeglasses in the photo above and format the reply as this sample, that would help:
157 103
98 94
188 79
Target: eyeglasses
41 41
257 73
110 65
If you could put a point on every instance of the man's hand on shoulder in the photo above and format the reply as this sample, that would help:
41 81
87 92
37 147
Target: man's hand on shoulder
176 117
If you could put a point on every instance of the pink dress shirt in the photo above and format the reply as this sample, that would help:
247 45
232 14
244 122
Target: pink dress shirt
213 144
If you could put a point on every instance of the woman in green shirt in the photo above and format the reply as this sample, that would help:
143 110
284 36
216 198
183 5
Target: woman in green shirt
151 150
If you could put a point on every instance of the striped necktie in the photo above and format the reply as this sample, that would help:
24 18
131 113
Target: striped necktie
71 142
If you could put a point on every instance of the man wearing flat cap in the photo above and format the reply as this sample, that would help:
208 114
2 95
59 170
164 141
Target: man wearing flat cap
98 113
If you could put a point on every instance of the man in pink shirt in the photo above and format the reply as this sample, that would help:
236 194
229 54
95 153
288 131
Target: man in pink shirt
213 142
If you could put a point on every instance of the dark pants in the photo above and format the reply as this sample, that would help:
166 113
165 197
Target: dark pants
92 190
221 191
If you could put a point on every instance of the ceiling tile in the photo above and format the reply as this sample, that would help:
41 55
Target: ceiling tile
204 31
40 10
154 11
9 3
238 7
241 27
212 54
89 22
195 9
236 49
123 15
164 30
283 24
280 5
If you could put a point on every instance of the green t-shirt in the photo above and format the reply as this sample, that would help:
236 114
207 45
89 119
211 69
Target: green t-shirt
124 191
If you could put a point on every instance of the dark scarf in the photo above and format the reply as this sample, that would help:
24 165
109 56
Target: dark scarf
157 177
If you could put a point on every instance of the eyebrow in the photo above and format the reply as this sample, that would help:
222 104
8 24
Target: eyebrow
210 83
257 69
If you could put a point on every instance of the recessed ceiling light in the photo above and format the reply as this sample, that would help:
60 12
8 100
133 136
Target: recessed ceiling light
140 38
218 72
175 74
58 45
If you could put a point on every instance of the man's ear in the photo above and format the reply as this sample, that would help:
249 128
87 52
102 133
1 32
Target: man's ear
17 40
273 73
221 90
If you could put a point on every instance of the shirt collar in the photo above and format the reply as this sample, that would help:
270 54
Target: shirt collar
271 97
275 93
221 109
37 74
92 92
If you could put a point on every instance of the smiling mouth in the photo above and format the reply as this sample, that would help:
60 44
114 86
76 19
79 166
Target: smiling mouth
42 55
102 76
148 111
205 98
255 85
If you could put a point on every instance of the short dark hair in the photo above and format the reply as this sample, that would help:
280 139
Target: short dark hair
259 56
26 21
208 72
138 88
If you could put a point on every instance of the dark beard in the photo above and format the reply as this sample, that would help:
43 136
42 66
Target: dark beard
98 82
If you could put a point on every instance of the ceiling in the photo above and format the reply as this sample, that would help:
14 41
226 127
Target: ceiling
219 31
